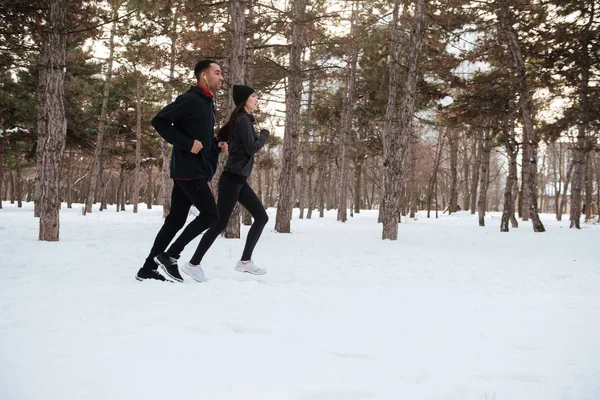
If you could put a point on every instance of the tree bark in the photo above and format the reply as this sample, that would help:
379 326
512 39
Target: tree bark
11 187
475 151
466 172
318 185
137 183
484 149
346 120
19 183
530 140
557 169
598 186
305 177
150 188
434 175
523 204
69 194
565 193
453 144
411 190
391 112
292 121
582 125
397 144
357 187
512 150
1 171
237 75
165 151
96 170
589 186
52 122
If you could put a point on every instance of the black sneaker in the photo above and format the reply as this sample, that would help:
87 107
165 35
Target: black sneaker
145 273
169 266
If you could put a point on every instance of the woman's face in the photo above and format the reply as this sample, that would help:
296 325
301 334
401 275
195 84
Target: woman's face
251 103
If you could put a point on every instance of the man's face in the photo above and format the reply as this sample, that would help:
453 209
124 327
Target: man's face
213 77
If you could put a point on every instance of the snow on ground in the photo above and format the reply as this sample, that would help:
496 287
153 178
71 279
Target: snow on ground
448 311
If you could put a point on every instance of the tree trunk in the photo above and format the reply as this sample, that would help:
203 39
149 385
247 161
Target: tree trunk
582 125
598 186
103 185
120 191
512 151
292 121
366 200
530 140
346 120
557 166
321 203
1 171
52 123
412 178
249 74
268 186
484 149
318 186
305 177
391 123
357 187
150 188
259 191
466 173
332 177
541 187
453 144
393 166
11 186
565 194
137 183
589 186
166 183
19 184
96 170
29 189
69 194
237 75
475 151
434 179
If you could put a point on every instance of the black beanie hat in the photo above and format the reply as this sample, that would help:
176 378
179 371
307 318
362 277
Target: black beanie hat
241 93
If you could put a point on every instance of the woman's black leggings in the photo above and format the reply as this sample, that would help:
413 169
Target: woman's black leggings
231 192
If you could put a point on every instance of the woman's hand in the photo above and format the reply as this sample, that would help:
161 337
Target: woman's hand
224 147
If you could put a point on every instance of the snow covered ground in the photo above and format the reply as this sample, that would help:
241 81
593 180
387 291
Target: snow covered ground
449 311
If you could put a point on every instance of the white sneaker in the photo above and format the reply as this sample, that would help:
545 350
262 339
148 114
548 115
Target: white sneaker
250 268
194 271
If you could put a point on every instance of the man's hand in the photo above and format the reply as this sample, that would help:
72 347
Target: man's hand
224 147
196 147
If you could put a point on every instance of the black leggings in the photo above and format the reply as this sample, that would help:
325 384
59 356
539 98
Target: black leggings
231 192
185 193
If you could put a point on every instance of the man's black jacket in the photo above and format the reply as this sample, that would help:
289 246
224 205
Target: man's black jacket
190 117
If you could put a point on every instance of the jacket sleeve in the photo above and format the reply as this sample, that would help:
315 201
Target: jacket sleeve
249 141
164 123
215 147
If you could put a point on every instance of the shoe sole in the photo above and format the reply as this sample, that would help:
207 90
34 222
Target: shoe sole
137 278
164 269
192 276
250 272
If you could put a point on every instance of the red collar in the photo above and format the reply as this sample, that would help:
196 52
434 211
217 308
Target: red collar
206 92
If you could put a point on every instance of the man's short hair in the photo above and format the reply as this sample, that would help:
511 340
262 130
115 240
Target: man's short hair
202 66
